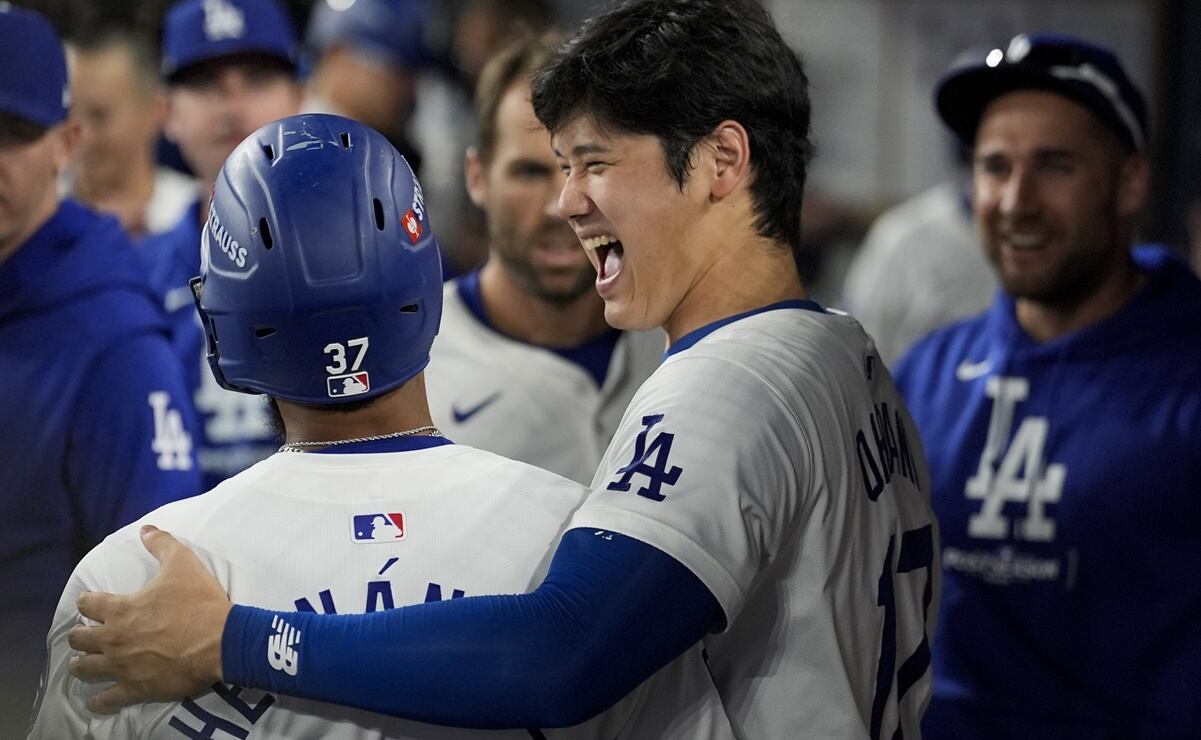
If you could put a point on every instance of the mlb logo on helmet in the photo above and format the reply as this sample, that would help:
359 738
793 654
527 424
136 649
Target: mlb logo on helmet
353 384
377 527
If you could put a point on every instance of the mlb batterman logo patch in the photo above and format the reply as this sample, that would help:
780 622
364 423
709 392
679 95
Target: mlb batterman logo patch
348 385
377 527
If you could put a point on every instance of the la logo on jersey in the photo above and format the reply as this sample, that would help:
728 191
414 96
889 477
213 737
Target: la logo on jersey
223 20
658 473
377 527
1022 475
282 653
348 385
171 442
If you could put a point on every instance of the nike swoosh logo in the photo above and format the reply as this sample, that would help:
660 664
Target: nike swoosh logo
972 370
464 415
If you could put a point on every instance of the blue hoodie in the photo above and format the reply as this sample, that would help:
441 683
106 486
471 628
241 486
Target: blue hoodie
95 425
1066 477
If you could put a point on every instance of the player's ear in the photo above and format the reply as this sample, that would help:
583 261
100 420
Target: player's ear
476 175
66 142
729 148
1134 185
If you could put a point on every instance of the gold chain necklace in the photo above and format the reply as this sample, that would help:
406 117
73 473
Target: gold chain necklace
429 430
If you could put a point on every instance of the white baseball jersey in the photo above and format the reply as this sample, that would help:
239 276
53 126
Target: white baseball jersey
775 459
354 533
526 402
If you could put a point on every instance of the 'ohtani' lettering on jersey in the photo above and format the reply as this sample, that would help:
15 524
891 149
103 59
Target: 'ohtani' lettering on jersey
887 454
658 473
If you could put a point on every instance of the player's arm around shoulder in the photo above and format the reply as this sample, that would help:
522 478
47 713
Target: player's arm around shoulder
704 467
132 442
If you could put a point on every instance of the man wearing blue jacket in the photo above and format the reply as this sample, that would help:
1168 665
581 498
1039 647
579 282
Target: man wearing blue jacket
229 67
1063 425
95 426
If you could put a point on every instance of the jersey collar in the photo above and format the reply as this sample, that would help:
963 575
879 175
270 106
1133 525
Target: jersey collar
696 335
393 444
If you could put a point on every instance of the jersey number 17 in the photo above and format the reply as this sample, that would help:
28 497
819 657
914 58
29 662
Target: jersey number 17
917 553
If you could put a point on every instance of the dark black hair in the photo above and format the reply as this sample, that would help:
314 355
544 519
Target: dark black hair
675 69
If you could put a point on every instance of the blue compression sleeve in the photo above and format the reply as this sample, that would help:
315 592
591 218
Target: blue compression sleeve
611 611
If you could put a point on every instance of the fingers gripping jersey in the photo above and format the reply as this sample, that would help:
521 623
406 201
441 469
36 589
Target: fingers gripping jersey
357 533
774 458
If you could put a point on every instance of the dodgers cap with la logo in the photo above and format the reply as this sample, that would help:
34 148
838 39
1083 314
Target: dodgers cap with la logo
196 31
1082 71
33 68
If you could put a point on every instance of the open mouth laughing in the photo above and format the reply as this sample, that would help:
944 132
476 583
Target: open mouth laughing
606 252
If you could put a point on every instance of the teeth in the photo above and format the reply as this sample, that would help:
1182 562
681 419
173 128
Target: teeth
596 242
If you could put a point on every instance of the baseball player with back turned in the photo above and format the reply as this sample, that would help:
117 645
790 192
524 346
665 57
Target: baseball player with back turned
366 505
766 493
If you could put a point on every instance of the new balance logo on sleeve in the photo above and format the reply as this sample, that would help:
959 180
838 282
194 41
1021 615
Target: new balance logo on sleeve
281 653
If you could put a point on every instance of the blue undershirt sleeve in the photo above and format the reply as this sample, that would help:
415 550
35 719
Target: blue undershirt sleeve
611 611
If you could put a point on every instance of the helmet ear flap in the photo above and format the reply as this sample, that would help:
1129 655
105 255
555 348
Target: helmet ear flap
211 346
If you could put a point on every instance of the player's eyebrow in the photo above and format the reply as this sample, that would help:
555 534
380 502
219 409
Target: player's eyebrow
580 150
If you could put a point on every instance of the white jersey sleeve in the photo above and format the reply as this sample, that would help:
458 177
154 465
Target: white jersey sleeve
704 466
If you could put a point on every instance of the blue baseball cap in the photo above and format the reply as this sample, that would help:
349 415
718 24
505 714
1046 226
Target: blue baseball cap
390 30
1084 72
33 68
196 31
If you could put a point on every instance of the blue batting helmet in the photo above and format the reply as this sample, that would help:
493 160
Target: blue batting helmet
320 277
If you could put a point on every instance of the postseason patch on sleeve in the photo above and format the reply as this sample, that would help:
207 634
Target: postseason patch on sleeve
377 527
